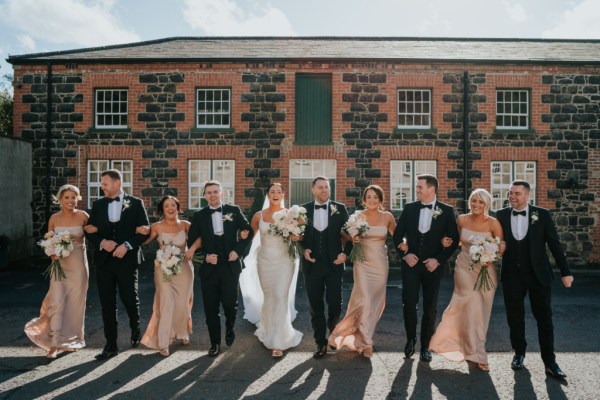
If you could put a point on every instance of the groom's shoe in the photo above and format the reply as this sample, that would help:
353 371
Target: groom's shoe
107 352
409 349
554 371
136 337
425 355
214 350
321 351
517 362
229 337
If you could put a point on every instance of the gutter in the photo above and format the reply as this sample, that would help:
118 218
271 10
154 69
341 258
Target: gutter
48 143
466 140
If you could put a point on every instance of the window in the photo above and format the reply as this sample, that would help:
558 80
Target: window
94 176
201 171
214 108
302 173
313 109
414 108
403 176
512 109
503 173
111 108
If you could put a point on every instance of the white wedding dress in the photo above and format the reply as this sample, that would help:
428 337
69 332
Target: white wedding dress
268 284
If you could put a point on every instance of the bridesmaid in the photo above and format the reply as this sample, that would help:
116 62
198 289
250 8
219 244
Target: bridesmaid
367 300
462 333
172 309
60 325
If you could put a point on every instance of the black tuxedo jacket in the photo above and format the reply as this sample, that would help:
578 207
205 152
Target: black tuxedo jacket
442 225
233 222
337 215
540 233
132 216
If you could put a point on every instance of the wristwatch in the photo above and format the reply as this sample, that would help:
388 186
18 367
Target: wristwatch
128 246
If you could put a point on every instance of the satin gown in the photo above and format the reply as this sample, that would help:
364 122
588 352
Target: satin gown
462 333
61 320
172 309
367 300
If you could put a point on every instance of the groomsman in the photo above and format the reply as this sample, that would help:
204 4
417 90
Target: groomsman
526 270
422 225
218 226
324 258
118 256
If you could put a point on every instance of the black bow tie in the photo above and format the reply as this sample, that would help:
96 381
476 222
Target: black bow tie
323 206
430 206
523 213
110 200
214 210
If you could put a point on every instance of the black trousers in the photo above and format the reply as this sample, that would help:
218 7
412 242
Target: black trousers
219 287
110 276
516 286
412 280
323 282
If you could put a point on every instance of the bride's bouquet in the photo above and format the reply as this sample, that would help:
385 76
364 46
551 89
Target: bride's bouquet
483 250
57 244
287 223
168 259
357 226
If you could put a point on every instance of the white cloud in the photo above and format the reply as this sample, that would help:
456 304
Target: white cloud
27 43
516 12
580 22
81 22
227 18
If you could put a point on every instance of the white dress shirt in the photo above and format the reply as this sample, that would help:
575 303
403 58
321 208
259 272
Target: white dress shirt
217 220
425 217
115 208
320 217
519 224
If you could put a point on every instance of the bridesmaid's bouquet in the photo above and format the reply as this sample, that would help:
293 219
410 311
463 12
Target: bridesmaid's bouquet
357 226
168 259
57 244
483 250
287 223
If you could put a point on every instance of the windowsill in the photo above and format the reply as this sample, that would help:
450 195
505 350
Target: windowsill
415 130
226 130
508 130
313 144
108 130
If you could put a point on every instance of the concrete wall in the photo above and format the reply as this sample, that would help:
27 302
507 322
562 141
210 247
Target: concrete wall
16 197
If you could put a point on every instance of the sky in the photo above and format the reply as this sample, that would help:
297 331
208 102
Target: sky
33 26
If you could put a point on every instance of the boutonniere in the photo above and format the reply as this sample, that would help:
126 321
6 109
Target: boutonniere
228 217
534 217
437 212
126 204
333 209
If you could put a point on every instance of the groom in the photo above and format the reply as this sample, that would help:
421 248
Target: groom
526 270
323 266
218 225
116 217
422 225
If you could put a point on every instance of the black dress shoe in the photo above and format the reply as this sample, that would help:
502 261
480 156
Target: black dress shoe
321 351
332 347
229 337
107 352
136 337
425 356
409 349
554 371
517 362
214 350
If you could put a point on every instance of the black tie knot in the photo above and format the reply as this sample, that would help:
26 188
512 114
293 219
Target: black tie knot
523 213
214 210
323 206
110 200
430 206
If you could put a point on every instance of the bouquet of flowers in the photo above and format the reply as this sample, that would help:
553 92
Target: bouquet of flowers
168 259
57 244
288 223
483 250
357 226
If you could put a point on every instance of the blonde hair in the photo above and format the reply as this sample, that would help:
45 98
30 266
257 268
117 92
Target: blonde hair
483 195
66 188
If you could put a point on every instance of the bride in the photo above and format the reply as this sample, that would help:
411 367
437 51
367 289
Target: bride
268 282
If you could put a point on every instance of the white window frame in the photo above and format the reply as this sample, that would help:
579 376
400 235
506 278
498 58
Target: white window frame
403 177
308 169
202 170
511 110
415 108
94 176
213 108
118 103
502 174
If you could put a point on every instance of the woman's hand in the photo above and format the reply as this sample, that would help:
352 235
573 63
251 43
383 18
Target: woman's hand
244 234
189 254
295 238
53 257
446 241
90 229
501 248
142 230
403 247
355 239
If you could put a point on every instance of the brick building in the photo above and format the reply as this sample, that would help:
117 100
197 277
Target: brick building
173 113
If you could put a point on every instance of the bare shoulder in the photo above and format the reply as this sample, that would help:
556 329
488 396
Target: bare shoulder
156 227
83 216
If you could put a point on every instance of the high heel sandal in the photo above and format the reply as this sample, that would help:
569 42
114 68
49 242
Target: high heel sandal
164 352
185 342
52 353
277 353
484 367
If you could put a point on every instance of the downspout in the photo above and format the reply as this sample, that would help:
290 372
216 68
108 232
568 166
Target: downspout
48 142
466 140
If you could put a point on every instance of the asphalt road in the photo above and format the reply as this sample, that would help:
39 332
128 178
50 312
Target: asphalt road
246 370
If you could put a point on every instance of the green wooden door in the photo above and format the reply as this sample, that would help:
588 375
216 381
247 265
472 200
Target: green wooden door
313 109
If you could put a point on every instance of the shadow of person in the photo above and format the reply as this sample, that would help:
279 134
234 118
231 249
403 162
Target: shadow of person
554 388
523 388
399 389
